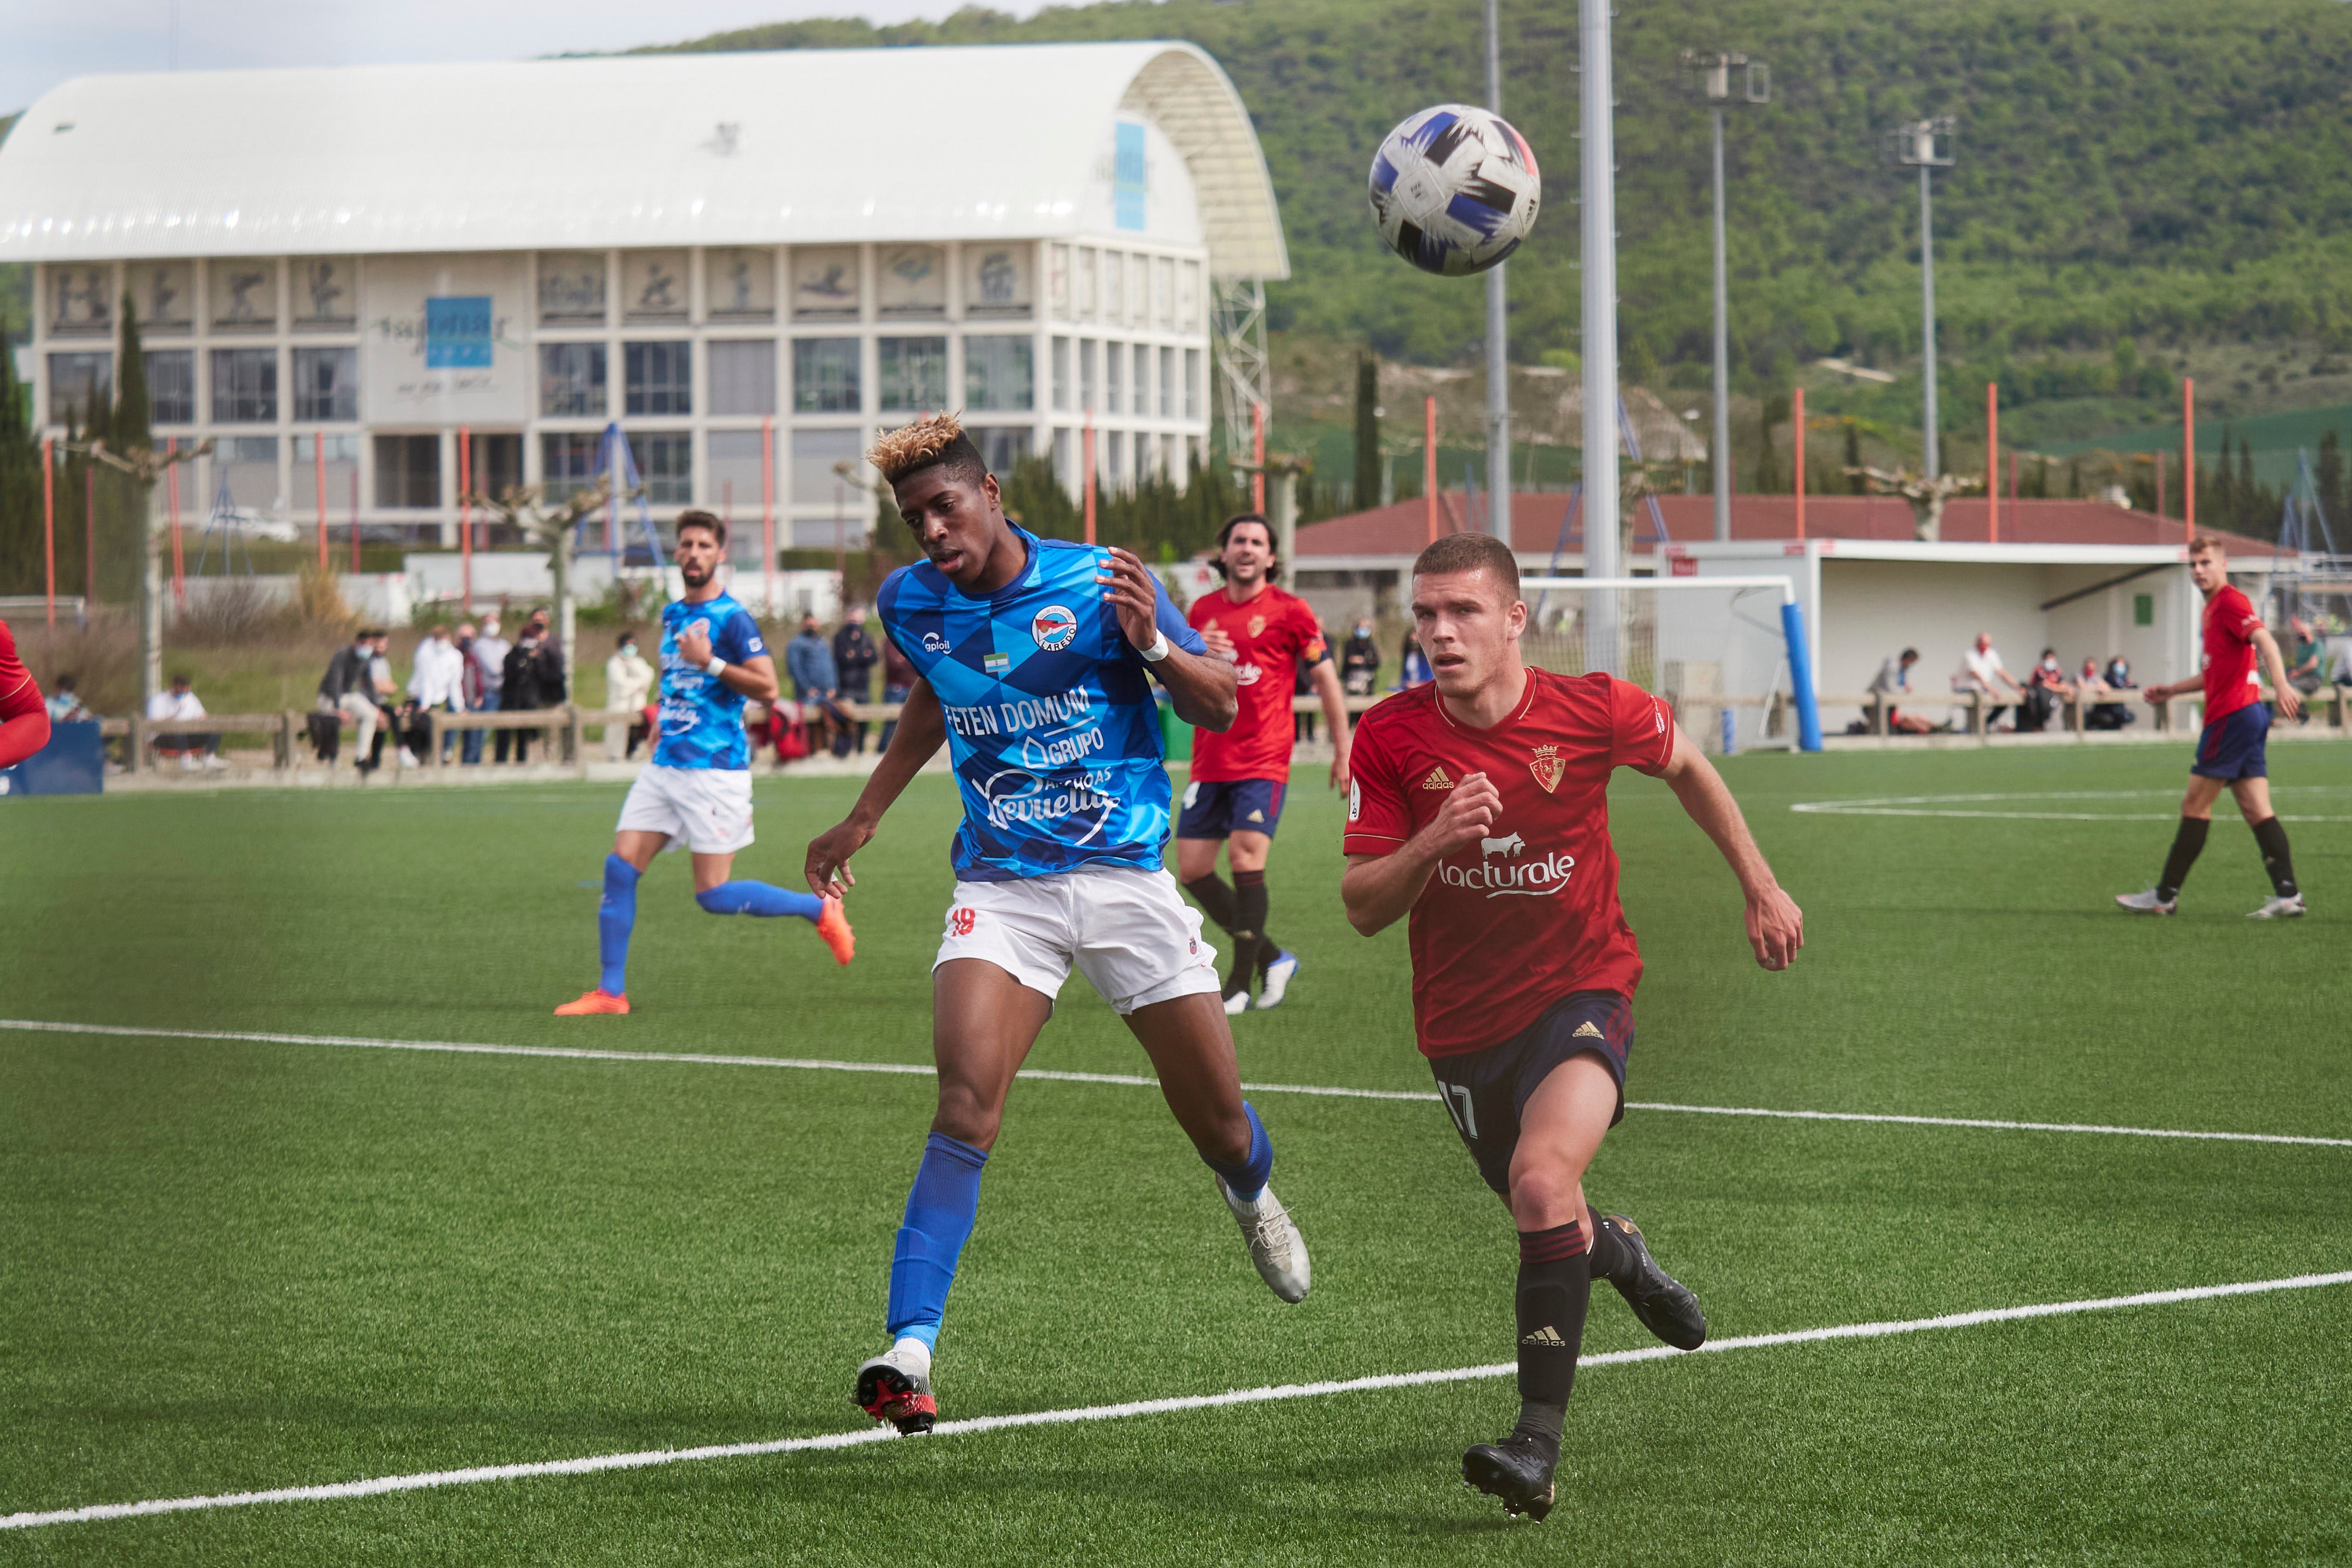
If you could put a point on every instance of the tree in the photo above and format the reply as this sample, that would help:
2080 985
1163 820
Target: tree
22 568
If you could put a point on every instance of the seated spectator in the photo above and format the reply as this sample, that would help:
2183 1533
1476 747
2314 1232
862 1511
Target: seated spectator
2094 683
65 703
1359 660
2307 657
347 691
2047 692
195 751
1892 680
897 680
437 682
628 686
1981 671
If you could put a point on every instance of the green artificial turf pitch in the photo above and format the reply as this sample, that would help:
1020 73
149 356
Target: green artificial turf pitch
233 1264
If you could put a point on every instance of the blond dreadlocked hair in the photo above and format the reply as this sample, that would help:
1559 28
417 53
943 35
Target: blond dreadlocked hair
932 441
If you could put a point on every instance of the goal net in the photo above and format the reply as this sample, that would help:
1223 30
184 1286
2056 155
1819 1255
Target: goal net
1718 648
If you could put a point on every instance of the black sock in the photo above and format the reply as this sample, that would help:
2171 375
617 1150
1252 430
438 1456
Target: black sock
1215 899
2275 859
2186 845
1554 1287
1612 1258
1249 922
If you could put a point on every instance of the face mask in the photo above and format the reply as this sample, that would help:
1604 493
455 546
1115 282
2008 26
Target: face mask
629 650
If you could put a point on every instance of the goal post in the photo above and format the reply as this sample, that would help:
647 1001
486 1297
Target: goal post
1713 645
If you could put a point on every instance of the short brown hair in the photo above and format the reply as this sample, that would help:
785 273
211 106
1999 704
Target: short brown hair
698 518
2207 544
1471 552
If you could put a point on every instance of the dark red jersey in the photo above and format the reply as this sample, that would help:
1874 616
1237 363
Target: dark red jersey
1509 925
1272 635
23 722
2231 681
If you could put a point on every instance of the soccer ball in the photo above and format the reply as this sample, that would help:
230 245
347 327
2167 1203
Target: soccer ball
1456 189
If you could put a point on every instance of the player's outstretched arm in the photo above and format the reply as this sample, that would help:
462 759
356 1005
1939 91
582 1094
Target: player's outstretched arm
1776 926
1335 714
1379 890
923 730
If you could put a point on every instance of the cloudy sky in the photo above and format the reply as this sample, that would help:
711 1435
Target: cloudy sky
48 41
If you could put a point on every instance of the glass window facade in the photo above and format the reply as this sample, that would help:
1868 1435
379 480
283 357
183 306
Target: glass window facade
572 380
735 476
1115 378
408 471
1000 446
914 375
814 452
1061 375
77 383
743 377
1192 384
245 386
250 463
170 386
999 374
666 465
327 385
567 464
497 461
826 378
659 378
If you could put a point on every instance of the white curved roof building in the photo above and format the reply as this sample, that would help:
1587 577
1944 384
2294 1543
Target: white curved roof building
338 270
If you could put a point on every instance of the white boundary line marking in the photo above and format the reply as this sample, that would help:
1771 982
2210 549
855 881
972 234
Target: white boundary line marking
1943 805
1126 1080
381 1485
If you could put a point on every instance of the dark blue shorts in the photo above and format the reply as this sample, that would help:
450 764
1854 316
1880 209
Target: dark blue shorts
1485 1090
2231 746
1219 811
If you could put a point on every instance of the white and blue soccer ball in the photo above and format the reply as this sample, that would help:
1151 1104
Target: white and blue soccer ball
1456 189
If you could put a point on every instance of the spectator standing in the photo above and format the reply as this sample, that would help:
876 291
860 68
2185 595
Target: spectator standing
808 660
1302 684
1413 669
1359 660
65 703
486 662
1894 681
436 682
628 684
853 658
348 690
897 680
195 751
522 687
1982 671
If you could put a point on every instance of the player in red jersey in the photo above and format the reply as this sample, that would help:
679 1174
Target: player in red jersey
1234 794
2231 749
1480 806
24 719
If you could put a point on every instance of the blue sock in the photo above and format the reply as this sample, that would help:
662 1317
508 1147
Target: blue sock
1249 1178
940 1212
758 898
616 917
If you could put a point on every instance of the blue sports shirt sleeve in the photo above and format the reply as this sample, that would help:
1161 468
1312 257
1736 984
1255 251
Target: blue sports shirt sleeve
1178 629
739 638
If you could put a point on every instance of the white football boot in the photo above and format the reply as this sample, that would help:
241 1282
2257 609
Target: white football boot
1237 1004
1276 983
1274 1244
2273 908
2148 903
896 1386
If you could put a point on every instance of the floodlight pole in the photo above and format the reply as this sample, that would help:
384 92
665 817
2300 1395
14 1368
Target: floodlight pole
1914 143
1498 331
1599 189
1722 453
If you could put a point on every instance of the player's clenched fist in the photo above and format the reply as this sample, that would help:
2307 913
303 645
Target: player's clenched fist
1469 814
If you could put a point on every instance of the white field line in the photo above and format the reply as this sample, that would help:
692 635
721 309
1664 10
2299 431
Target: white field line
381 1485
1126 1080
1967 806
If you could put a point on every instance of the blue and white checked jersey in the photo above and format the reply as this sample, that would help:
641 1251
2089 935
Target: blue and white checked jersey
702 718
1051 725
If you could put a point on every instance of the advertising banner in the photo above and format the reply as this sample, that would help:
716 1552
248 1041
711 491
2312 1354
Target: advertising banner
442 340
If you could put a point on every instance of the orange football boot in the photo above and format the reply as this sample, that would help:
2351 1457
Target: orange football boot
834 926
592 1002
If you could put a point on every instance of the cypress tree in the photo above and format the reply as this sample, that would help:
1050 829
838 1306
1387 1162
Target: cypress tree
1368 431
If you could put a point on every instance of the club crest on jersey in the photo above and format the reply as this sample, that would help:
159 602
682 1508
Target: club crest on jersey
1258 624
1548 765
1437 779
1054 629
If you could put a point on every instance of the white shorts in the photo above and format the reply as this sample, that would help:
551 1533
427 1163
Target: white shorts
706 810
1130 932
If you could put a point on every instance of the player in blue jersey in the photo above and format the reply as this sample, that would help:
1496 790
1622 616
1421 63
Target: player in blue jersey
697 791
1034 659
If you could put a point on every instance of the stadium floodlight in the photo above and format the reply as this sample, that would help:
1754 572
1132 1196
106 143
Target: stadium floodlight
1724 78
1597 172
1925 145
1499 330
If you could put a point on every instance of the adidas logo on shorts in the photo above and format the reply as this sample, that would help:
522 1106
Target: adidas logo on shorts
1586 1032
